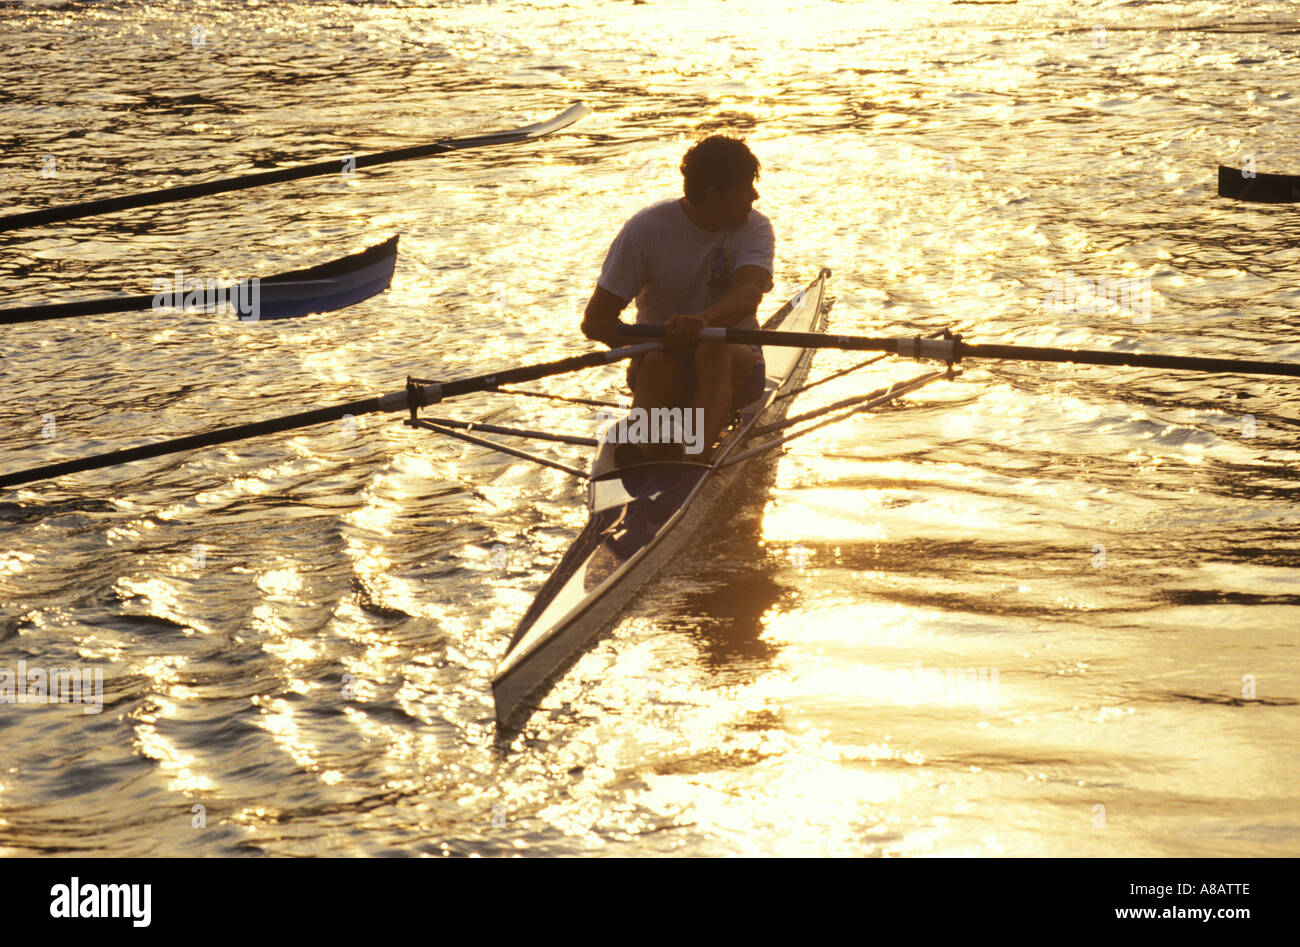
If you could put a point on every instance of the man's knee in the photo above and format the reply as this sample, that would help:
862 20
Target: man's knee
658 361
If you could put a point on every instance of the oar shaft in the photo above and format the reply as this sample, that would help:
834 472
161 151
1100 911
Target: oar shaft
955 350
806 340
394 401
86 307
177 445
1131 359
172 195
432 393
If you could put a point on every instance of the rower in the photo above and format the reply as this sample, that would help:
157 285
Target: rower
704 259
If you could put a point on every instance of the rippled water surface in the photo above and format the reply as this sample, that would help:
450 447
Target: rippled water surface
1116 548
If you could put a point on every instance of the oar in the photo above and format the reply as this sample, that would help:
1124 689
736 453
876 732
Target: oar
955 350
412 397
325 288
185 192
1259 188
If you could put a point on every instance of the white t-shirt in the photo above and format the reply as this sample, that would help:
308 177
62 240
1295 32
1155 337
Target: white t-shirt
669 265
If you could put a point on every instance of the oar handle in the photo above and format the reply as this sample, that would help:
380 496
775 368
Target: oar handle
640 330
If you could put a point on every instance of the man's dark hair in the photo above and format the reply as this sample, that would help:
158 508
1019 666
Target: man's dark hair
717 161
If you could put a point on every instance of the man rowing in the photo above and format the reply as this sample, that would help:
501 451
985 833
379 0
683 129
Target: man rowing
701 260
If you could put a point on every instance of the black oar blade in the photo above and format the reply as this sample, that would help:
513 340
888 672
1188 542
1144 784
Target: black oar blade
1259 188
324 288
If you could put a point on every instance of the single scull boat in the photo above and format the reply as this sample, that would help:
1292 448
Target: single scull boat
638 517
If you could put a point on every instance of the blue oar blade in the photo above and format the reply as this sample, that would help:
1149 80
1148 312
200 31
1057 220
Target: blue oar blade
333 286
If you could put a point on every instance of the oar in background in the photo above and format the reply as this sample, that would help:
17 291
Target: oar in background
324 288
185 192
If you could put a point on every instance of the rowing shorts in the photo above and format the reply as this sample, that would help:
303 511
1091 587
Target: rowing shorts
751 389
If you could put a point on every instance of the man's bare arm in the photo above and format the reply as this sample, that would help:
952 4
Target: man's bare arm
600 319
740 302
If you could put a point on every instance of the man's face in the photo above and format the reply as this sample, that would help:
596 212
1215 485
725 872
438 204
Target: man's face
735 202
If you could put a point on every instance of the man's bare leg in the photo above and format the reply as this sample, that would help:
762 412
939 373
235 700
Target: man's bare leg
653 380
721 370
